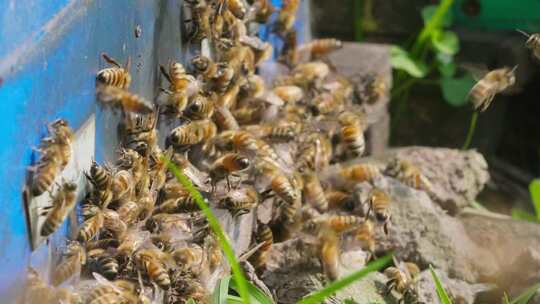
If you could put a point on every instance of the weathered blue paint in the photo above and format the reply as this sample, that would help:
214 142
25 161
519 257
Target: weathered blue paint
49 55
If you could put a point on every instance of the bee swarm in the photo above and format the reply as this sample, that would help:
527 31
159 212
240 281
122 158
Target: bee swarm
254 148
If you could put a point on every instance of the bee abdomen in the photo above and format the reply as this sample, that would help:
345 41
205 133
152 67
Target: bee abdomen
354 140
114 77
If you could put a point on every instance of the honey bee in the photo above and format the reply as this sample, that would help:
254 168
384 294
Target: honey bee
224 119
44 177
71 265
363 172
150 261
140 132
365 235
213 251
248 114
103 243
63 136
533 43
340 200
186 286
286 17
113 223
181 202
494 82
379 201
315 153
122 184
314 193
118 291
352 133
164 222
99 176
237 8
228 99
282 185
192 133
261 50
289 93
227 164
240 201
104 263
263 236
329 254
202 16
205 66
402 278
241 59
129 212
120 98
306 74
263 10
189 258
90 228
408 174
199 108
62 203
36 289
252 87
116 76
280 131
371 88
335 223
318 48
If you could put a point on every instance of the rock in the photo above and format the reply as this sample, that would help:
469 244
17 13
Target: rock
293 272
459 291
514 244
423 233
457 176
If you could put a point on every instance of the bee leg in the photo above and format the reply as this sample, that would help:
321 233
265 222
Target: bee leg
267 194
385 226
228 182
368 211
389 287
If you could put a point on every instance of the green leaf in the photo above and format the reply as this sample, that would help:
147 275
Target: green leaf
446 42
400 59
534 189
527 295
429 11
233 300
446 65
443 296
221 291
191 301
506 300
519 214
455 90
216 228
256 295
333 287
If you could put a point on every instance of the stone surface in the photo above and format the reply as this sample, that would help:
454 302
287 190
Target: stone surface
459 291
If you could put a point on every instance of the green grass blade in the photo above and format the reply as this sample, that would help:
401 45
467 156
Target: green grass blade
256 295
333 287
233 300
534 189
443 296
216 227
191 301
527 295
221 291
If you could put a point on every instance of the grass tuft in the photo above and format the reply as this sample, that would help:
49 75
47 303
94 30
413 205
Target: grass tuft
443 296
216 227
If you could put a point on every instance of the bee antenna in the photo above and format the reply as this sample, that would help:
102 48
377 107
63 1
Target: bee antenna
522 32
514 68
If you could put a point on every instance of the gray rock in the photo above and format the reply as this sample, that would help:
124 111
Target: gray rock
459 291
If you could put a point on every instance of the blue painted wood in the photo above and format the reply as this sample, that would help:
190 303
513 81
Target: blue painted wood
49 55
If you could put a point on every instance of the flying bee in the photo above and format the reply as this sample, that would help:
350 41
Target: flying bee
116 76
364 172
289 93
192 133
286 17
533 43
150 261
120 98
379 201
62 203
122 184
340 200
90 228
402 278
103 262
320 47
314 193
240 201
264 236
409 174
71 265
227 164
199 108
494 82
352 133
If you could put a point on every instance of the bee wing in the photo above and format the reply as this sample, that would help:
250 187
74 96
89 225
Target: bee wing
103 281
477 70
271 98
